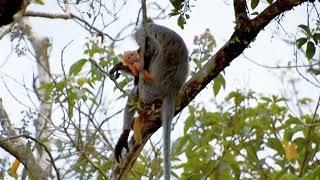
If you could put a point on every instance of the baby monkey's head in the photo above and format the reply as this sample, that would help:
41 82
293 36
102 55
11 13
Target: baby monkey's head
131 56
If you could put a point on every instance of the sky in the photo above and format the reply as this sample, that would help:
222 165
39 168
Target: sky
268 49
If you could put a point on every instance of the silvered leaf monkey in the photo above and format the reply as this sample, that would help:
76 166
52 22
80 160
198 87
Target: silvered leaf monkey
166 59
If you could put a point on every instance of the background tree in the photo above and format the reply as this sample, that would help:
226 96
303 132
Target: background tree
246 135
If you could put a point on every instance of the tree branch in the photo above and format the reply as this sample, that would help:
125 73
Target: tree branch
18 148
240 11
44 147
67 16
238 42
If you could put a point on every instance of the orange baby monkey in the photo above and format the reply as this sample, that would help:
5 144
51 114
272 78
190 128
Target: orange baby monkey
132 60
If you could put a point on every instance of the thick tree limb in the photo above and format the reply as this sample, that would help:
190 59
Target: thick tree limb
18 148
240 11
246 31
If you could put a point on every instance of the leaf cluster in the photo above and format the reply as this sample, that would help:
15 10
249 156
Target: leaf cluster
253 137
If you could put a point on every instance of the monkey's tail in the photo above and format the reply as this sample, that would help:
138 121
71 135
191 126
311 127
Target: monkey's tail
167 116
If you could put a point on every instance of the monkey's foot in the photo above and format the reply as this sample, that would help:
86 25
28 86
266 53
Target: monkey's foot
122 143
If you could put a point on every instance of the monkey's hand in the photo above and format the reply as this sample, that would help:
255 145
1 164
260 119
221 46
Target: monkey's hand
122 143
138 66
114 72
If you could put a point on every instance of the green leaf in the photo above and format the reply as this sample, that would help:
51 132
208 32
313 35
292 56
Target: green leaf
173 13
59 144
300 42
310 51
228 157
254 3
276 145
47 88
219 82
289 177
177 4
179 145
77 66
266 99
270 1
123 83
216 87
71 103
60 85
289 133
187 16
306 29
316 37
181 22
188 123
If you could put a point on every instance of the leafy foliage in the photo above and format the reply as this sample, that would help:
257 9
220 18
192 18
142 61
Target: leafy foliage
203 51
251 137
180 8
311 38
75 86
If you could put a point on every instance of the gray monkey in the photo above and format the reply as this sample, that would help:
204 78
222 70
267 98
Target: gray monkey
166 58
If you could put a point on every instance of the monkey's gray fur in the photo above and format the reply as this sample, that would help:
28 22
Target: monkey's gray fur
166 58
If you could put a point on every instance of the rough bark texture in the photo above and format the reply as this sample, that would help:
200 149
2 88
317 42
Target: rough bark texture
19 148
246 30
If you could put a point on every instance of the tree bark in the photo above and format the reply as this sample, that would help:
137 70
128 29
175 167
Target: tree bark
18 148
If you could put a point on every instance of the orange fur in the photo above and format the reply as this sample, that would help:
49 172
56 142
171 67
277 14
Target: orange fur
132 60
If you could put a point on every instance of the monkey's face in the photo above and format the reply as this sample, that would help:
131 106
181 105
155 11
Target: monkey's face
131 56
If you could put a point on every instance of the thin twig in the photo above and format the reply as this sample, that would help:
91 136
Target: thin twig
308 141
66 17
113 79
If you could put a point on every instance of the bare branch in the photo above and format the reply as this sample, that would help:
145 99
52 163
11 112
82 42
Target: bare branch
308 141
66 17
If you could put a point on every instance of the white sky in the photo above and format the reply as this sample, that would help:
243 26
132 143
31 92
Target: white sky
216 15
